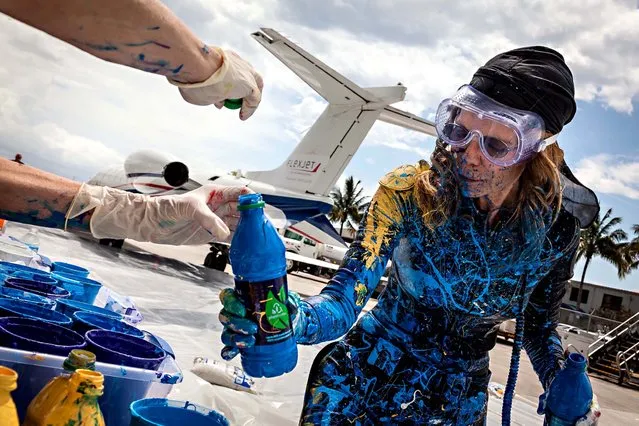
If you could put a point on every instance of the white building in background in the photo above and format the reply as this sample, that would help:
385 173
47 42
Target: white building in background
595 297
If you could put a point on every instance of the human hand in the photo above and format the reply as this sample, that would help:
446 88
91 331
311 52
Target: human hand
589 419
197 217
239 331
235 79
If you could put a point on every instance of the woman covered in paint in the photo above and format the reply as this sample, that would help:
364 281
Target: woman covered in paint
487 231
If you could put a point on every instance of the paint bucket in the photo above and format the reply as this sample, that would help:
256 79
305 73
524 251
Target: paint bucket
47 290
41 276
121 349
20 308
166 412
38 336
10 268
15 294
85 321
69 268
82 289
69 307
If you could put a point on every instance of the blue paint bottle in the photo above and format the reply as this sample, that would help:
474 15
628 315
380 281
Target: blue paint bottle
259 263
570 393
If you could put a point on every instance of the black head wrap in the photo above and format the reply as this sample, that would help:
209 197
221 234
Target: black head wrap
537 79
534 79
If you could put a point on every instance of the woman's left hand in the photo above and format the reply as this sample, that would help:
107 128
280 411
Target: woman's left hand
589 419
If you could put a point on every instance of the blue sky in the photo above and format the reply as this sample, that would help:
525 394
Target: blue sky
74 115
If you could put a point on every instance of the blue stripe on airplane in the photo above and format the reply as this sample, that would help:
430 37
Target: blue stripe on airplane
297 209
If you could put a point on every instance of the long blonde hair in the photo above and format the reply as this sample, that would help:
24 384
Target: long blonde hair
438 194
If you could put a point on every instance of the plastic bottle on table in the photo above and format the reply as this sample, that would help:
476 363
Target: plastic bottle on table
8 383
222 374
51 394
258 259
32 240
570 393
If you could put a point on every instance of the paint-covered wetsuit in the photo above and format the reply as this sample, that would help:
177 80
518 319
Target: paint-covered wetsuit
421 354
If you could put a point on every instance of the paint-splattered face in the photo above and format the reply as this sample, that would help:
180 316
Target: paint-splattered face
479 177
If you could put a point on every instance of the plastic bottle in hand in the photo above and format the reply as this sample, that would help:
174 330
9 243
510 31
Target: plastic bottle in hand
8 383
570 393
258 258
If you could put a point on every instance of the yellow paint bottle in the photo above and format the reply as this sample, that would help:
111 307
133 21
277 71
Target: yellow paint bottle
49 395
77 405
8 383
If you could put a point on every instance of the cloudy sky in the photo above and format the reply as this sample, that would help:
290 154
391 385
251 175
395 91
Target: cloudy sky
73 114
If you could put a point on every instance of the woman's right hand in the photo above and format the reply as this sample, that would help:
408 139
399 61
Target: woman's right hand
239 331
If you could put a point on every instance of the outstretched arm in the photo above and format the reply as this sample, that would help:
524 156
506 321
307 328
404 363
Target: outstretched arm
330 314
142 34
32 196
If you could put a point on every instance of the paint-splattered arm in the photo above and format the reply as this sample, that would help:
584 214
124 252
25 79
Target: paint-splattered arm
36 197
541 340
330 314
142 34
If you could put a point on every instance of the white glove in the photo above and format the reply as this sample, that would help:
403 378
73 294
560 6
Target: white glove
235 79
206 214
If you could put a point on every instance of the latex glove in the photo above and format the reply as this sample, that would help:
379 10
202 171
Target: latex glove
206 214
589 419
239 330
235 79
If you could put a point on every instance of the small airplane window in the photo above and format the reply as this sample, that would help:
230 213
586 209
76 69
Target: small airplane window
214 177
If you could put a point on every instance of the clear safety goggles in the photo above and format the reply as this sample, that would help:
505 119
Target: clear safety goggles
506 135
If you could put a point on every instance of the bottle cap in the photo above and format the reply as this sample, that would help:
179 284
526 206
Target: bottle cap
250 201
79 358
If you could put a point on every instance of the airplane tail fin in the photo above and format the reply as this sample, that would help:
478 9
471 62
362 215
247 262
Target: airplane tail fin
324 152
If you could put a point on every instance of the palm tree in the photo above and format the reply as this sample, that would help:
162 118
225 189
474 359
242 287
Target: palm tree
600 239
348 203
631 251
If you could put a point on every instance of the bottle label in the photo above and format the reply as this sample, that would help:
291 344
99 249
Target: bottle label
265 302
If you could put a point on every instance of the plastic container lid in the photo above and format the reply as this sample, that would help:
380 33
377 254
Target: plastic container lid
20 308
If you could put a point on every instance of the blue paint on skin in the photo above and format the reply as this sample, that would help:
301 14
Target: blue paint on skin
205 49
177 69
421 355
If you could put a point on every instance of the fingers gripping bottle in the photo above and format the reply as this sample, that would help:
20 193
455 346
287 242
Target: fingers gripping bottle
570 393
259 263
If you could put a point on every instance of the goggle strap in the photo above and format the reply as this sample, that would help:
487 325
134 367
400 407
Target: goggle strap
547 142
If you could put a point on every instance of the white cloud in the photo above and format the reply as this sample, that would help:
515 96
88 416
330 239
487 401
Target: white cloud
57 97
610 174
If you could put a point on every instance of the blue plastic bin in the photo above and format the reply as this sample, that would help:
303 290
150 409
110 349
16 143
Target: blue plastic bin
69 268
122 385
82 289
85 321
166 412
14 267
69 307
123 349
47 290
20 308
15 294
41 277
